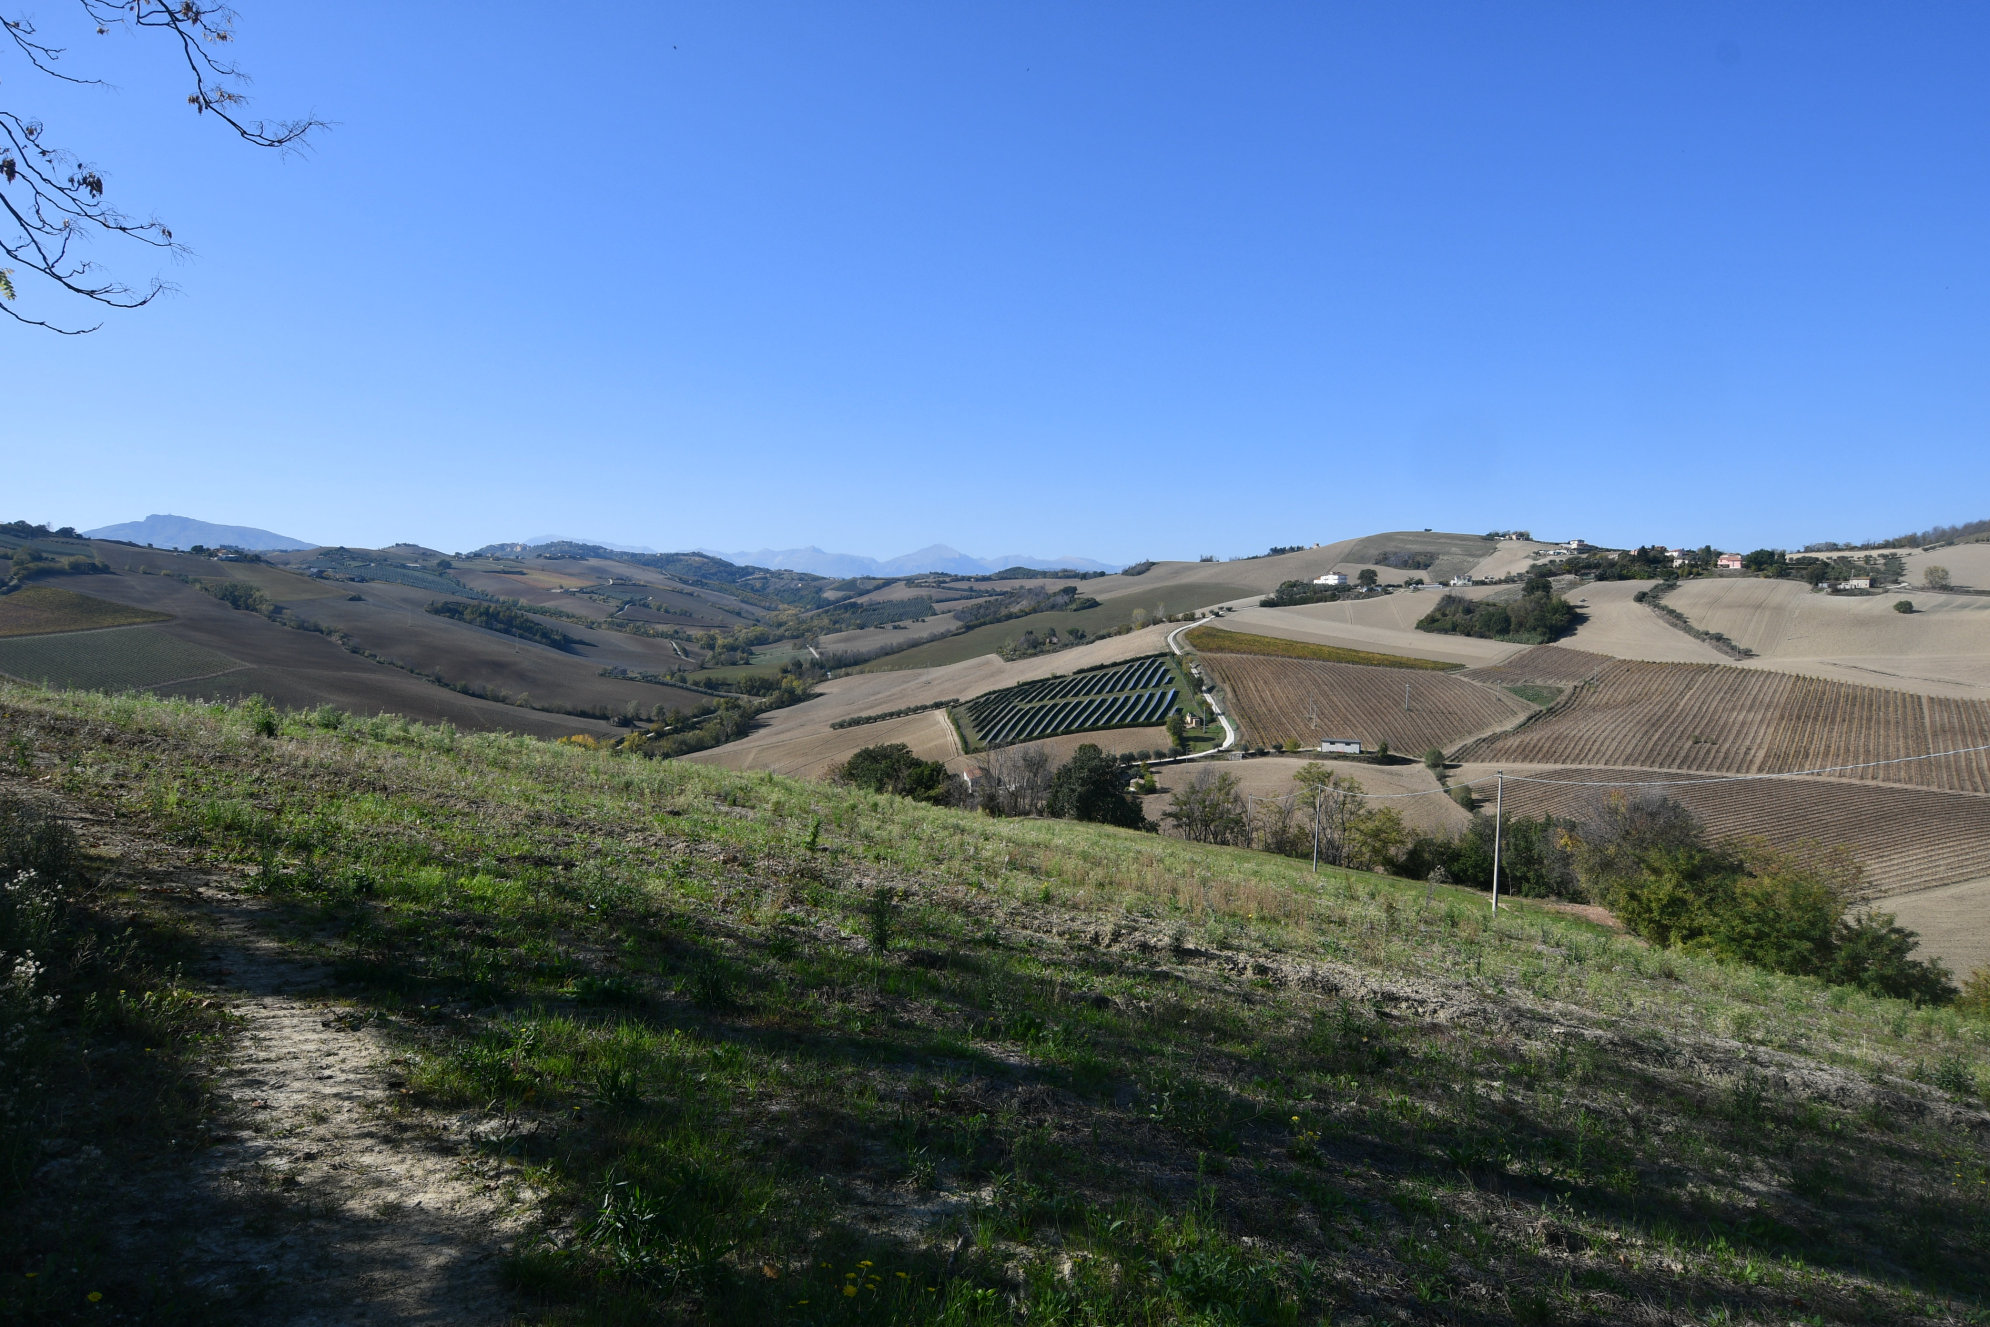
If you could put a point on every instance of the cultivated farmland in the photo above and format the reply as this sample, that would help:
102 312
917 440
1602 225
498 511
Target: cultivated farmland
1280 700
1737 720
1136 694
1544 665
1218 640
1908 838
39 609
121 659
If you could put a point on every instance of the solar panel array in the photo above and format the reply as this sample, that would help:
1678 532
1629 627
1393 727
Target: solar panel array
1130 695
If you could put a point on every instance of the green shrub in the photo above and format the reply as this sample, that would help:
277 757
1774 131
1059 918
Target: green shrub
1537 617
890 767
1092 786
237 594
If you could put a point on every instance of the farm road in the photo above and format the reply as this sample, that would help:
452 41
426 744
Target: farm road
1229 729
320 1197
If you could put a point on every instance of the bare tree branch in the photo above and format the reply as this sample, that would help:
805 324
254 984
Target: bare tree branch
50 200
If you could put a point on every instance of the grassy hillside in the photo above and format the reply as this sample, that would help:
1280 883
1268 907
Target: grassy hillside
754 1050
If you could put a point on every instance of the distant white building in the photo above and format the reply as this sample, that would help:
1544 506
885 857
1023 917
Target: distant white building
1340 746
1578 545
1857 583
1461 581
1728 562
1331 578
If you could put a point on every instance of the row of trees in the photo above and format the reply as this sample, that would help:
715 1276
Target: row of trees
1019 781
1648 860
1652 863
1325 815
502 618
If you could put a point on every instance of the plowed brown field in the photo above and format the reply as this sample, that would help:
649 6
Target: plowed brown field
1303 700
1734 720
1550 665
1908 838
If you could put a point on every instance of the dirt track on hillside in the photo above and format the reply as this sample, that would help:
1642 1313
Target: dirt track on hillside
322 1196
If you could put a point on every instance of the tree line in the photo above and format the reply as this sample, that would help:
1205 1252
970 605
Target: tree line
1538 616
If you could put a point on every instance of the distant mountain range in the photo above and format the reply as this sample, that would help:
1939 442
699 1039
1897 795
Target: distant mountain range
185 532
936 557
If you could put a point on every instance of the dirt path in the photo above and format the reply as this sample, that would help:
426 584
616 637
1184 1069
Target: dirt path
322 1196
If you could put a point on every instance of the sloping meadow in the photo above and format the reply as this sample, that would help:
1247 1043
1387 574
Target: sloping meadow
784 1052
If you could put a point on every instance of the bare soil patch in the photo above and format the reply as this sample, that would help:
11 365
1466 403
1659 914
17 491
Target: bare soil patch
318 1193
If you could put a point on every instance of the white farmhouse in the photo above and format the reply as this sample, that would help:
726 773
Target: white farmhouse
1331 578
1340 746
1461 581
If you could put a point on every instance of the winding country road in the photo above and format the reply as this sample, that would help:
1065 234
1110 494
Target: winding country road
1229 729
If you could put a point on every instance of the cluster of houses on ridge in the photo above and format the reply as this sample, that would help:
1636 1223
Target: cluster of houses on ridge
1680 557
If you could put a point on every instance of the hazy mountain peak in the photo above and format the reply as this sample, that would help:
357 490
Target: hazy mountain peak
163 531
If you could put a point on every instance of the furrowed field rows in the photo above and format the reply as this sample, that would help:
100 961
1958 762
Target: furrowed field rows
1544 665
1280 700
1908 838
1708 717
114 660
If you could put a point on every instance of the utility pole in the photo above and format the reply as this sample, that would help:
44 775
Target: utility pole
1316 831
1499 809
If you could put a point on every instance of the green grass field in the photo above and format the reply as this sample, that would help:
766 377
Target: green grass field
36 610
1220 640
114 660
791 1053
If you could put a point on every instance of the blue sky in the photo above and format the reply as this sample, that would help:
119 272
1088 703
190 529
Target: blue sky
1114 280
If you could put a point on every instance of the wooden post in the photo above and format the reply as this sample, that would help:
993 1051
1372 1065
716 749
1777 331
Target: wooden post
1499 809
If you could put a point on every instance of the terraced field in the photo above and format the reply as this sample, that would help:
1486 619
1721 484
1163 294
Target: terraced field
1280 700
1139 693
1704 717
122 659
1908 838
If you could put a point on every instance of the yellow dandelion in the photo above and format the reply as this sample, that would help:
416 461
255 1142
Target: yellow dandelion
850 1291
902 1276
864 1263
94 1296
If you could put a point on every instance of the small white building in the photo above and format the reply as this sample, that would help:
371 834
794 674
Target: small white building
1461 581
1340 746
1578 545
1331 578
1857 583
